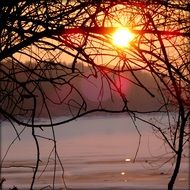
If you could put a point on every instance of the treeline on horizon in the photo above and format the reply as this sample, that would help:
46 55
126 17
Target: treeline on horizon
61 91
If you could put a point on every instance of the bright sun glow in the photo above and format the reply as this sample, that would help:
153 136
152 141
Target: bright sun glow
122 37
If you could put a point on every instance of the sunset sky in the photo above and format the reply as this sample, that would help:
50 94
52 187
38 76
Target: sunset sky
109 66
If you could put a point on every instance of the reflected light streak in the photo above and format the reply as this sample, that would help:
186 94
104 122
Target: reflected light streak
127 160
122 173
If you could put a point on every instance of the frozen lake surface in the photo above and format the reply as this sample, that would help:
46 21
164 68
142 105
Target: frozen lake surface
96 153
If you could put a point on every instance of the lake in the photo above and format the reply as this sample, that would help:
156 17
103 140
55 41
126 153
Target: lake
96 152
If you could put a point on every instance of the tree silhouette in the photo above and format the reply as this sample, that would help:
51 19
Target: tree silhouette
51 45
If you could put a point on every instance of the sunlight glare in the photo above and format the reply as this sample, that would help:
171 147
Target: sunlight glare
122 173
122 37
127 160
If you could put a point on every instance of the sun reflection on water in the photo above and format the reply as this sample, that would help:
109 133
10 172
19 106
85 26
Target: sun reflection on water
127 160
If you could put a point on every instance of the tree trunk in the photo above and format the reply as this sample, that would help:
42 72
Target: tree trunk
179 155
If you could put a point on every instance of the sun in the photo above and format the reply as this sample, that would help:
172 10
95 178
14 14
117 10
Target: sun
122 37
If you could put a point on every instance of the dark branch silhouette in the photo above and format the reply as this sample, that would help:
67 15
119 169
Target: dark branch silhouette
49 47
